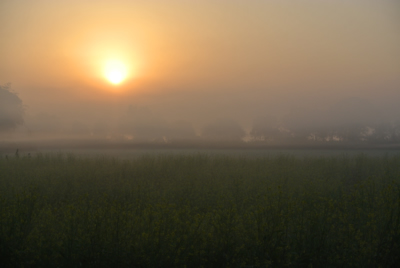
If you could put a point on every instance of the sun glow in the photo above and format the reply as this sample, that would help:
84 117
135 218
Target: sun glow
115 71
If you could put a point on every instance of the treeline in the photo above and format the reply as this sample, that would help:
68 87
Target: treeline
225 131
349 121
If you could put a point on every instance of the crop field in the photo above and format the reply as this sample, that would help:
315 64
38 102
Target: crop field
199 210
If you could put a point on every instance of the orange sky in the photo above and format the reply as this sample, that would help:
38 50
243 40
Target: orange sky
235 57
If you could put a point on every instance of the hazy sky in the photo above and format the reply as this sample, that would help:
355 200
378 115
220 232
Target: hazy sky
200 60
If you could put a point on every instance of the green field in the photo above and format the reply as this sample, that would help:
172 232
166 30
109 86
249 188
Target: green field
200 210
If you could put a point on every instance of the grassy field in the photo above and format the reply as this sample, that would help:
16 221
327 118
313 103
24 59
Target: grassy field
199 210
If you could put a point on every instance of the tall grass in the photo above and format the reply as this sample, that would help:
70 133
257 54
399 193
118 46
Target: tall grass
199 211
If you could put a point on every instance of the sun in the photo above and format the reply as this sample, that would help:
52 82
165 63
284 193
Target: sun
115 71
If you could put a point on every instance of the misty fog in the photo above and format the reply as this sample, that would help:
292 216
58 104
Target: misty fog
259 74
347 121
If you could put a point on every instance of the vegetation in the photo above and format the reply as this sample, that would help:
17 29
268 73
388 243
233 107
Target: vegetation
11 109
199 211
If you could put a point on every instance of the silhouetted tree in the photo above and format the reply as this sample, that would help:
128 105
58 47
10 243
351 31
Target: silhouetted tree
11 109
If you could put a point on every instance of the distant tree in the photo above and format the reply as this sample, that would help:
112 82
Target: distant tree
11 109
223 130
396 132
265 129
180 131
45 123
352 133
78 129
100 129
143 125
348 120
384 133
